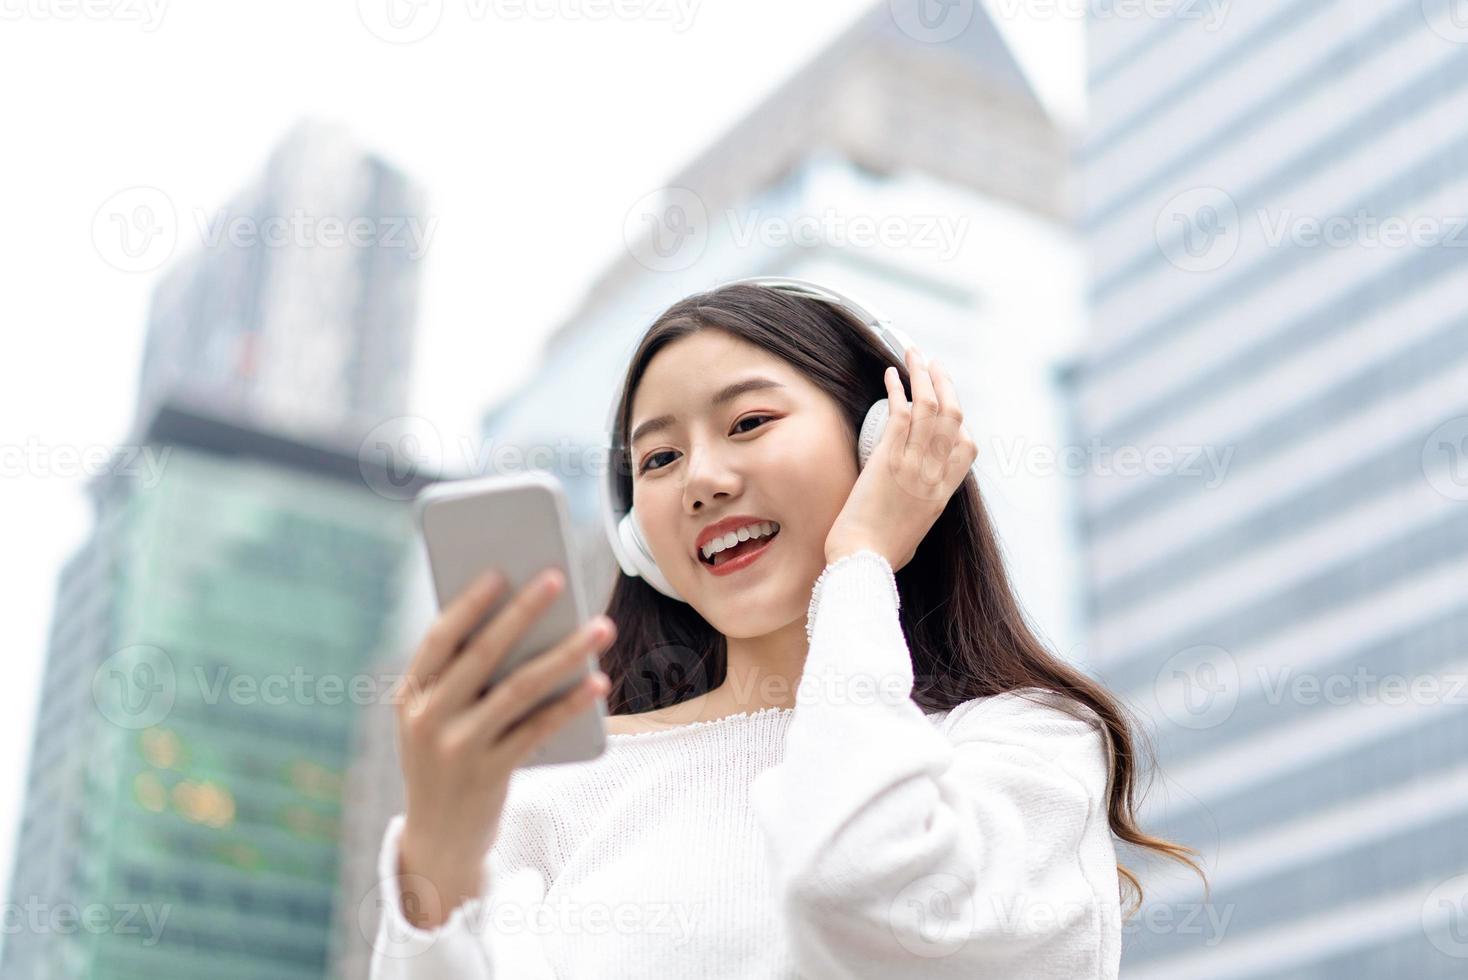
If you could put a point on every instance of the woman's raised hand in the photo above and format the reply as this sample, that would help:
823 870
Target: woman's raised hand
458 749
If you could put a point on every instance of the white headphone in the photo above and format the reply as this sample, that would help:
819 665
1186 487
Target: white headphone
625 535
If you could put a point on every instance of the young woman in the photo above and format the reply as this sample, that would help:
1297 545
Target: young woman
840 752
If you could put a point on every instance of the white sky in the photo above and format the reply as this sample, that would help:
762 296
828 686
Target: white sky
533 137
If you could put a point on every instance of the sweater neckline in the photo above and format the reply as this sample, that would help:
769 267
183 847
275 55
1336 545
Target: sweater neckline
707 723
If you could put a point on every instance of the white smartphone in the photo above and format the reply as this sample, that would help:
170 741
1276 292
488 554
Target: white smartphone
518 524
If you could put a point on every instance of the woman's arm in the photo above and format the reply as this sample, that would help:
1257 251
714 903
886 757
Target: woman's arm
485 938
901 851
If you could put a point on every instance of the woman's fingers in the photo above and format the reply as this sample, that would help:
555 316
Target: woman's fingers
519 692
526 738
899 412
924 404
446 635
467 675
949 434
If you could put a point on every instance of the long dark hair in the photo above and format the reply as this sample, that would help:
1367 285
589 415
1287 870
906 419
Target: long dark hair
965 630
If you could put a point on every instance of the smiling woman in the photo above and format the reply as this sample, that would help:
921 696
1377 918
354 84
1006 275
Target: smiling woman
834 736
746 401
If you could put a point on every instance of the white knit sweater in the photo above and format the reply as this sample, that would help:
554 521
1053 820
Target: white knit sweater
851 836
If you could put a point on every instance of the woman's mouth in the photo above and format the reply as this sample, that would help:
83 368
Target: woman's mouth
741 555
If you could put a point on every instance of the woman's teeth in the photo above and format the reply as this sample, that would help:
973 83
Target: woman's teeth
717 546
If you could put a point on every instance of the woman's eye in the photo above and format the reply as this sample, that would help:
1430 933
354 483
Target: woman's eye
647 463
748 418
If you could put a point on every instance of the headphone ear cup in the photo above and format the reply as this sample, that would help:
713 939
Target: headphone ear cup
630 532
872 428
627 553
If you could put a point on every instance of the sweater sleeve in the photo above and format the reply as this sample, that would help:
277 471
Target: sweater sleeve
485 938
901 850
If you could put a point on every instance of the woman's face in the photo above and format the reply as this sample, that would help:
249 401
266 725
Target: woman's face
781 453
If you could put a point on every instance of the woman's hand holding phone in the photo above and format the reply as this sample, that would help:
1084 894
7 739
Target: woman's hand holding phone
458 749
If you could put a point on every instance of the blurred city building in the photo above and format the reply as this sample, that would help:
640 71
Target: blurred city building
1276 387
925 176
298 314
216 638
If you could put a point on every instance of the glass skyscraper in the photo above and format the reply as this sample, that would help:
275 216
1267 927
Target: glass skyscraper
214 640
1275 403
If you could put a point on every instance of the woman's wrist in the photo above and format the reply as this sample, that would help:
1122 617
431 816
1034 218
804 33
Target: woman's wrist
837 552
430 890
